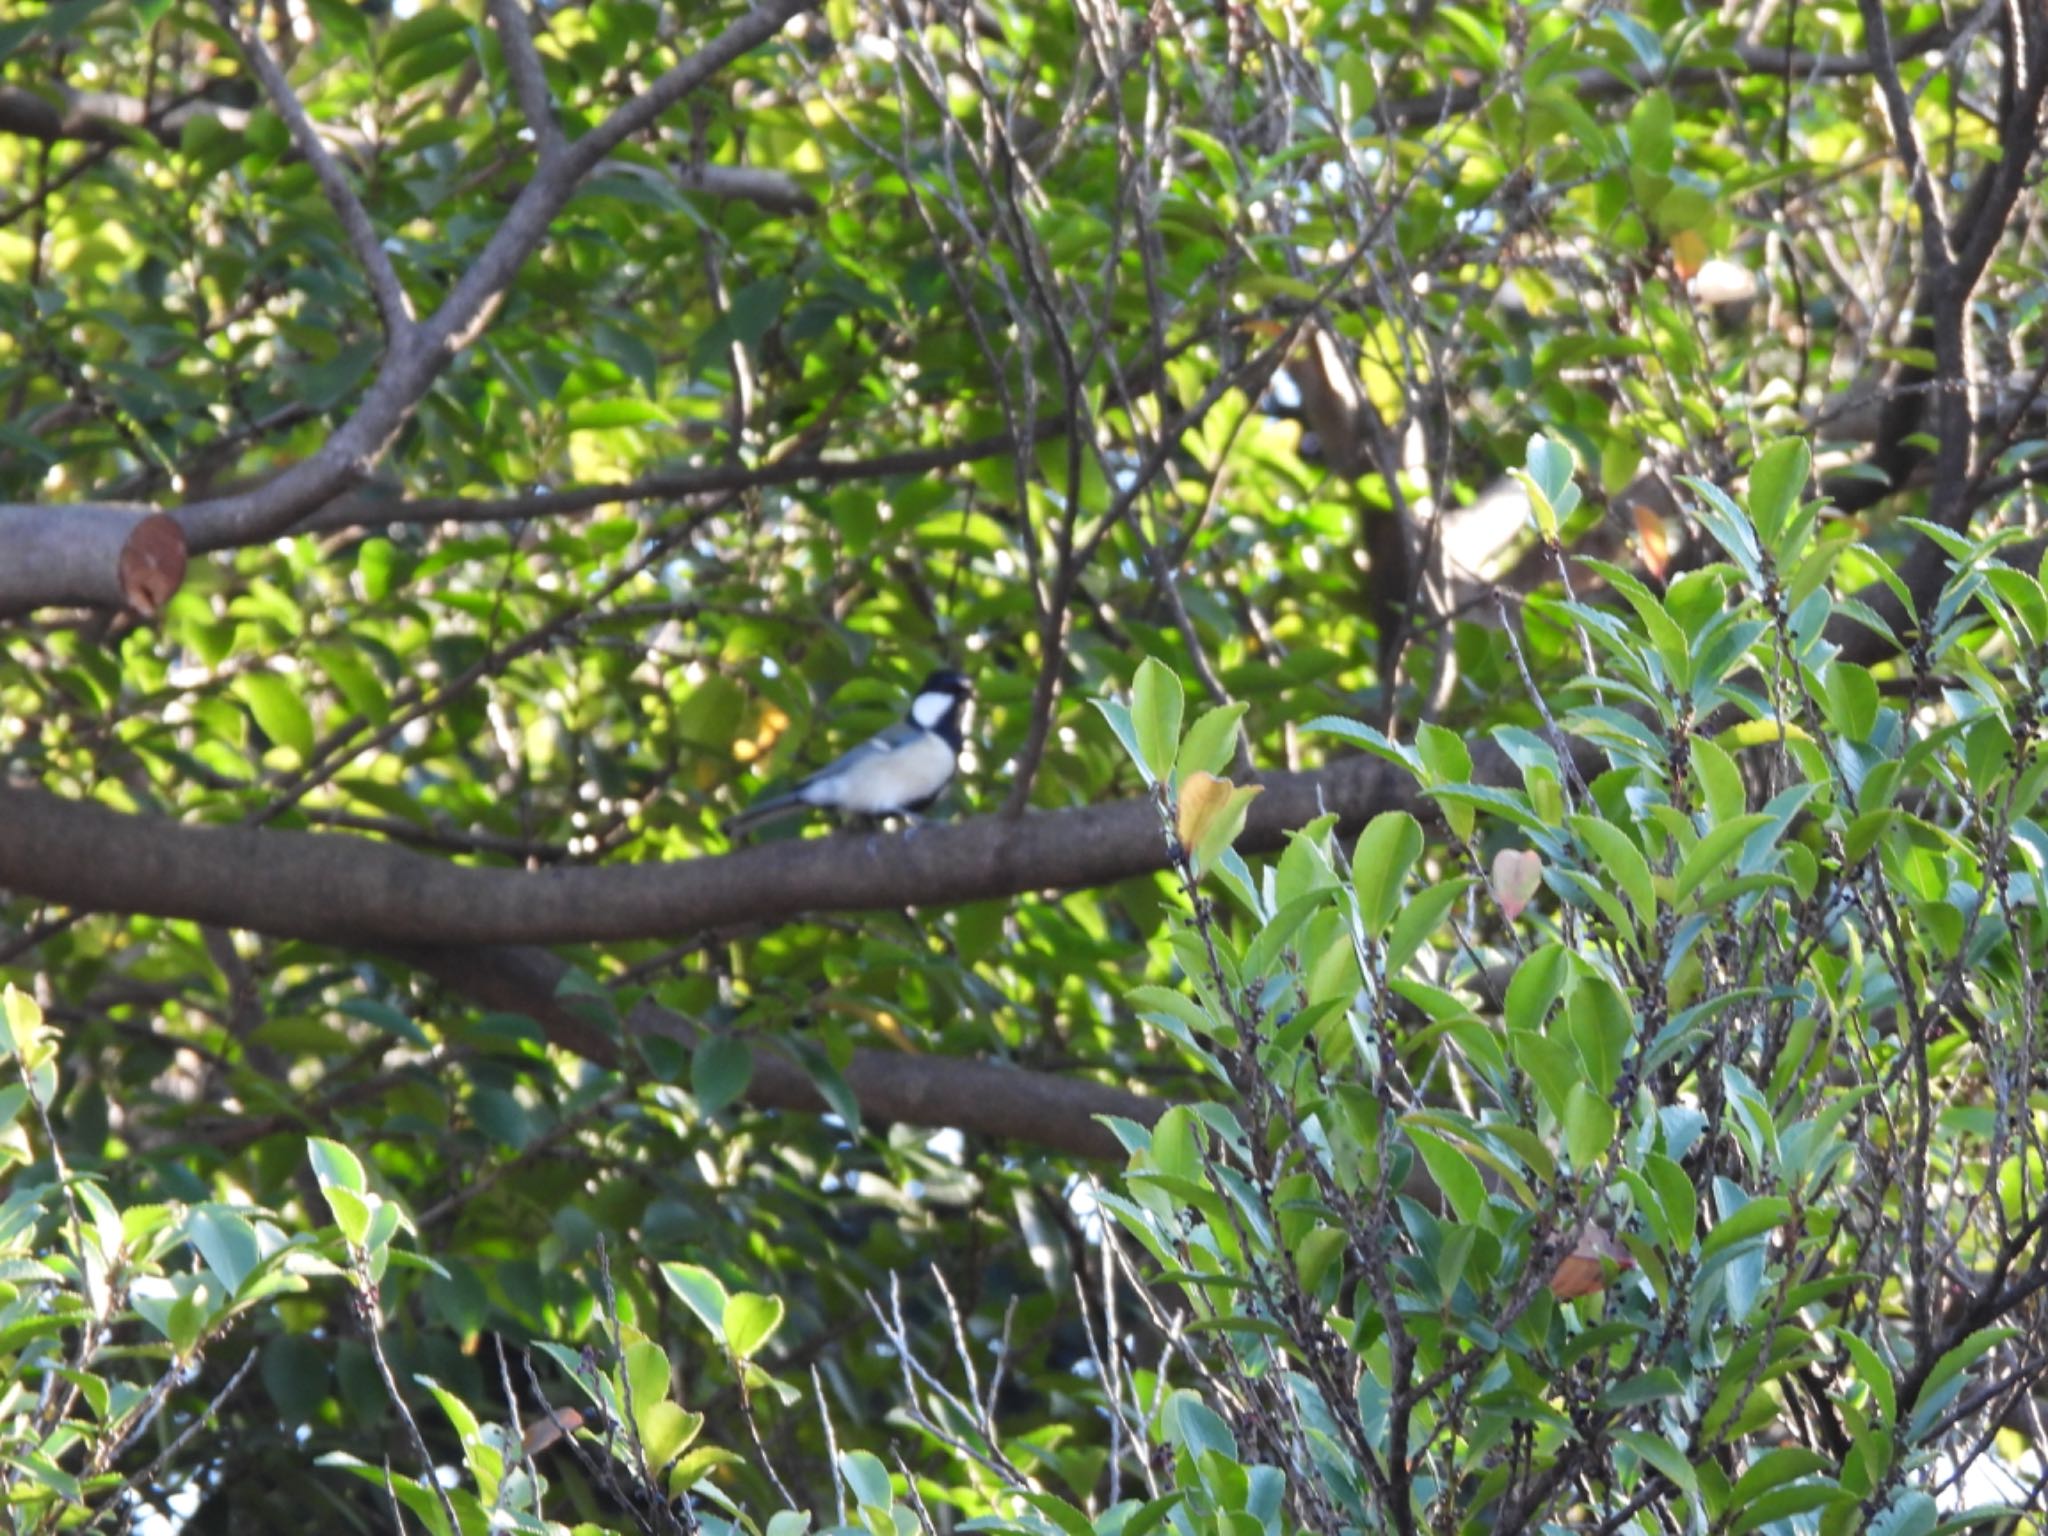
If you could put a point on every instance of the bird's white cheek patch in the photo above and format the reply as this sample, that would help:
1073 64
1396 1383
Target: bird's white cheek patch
928 709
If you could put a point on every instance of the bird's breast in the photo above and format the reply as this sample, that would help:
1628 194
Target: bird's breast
882 782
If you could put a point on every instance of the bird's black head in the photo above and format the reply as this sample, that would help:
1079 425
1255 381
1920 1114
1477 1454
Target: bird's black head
938 703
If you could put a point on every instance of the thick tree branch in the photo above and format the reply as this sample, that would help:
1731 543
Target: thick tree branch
103 118
1953 264
84 554
1036 1108
347 891
62 549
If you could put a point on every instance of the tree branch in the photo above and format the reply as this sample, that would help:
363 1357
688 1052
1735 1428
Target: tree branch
393 307
1954 262
1906 138
85 554
529 79
103 118
1589 85
1037 1108
366 509
354 891
109 122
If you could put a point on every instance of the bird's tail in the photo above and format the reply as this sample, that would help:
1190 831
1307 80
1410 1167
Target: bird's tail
761 812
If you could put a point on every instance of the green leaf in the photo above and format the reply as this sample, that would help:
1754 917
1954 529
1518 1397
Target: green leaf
1676 1194
1443 753
1601 1028
617 411
866 1479
1912 1512
1386 850
666 1430
1758 1216
1120 722
1421 917
1156 704
1777 482
24 1024
1715 847
1643 1387
1622 862
280 713
750 1321
353 1213
1452 1172
387 1018
1588 1126
226 1242
334 1166
1946 1377
1663 1455
1782 1503
424 26
1535 986
1874 1374
1211 742
701 1292
1197 1427
1851 699
646 1377
1782 1464
720 1069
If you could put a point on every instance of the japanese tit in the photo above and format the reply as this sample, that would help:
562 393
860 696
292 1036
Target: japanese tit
896 773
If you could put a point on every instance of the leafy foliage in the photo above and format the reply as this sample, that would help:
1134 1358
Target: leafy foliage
1706 1183
1623 1109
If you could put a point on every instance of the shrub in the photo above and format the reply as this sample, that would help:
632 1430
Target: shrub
1649 1136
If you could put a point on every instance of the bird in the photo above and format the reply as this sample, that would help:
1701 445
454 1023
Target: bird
895 773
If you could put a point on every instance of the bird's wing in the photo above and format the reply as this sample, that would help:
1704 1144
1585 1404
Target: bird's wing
895 738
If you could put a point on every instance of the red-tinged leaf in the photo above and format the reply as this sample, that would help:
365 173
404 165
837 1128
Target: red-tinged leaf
1516 874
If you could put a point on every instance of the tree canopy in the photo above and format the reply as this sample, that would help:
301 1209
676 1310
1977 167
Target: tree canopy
1483 967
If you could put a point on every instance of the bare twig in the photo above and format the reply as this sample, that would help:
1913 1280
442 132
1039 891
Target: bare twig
529 79
393 307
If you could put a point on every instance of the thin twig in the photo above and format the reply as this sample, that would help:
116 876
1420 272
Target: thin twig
393 307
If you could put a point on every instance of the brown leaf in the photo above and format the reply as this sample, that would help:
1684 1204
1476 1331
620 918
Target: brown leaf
1516 874
1688 251
1211 813
542 1433
152 564
1202 798
1581 1272
1651 540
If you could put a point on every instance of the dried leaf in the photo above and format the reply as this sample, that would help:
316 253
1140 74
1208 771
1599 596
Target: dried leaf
1688 251
1516 874
1210 813
1201 797
542 1433
1582 1271
1651 540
